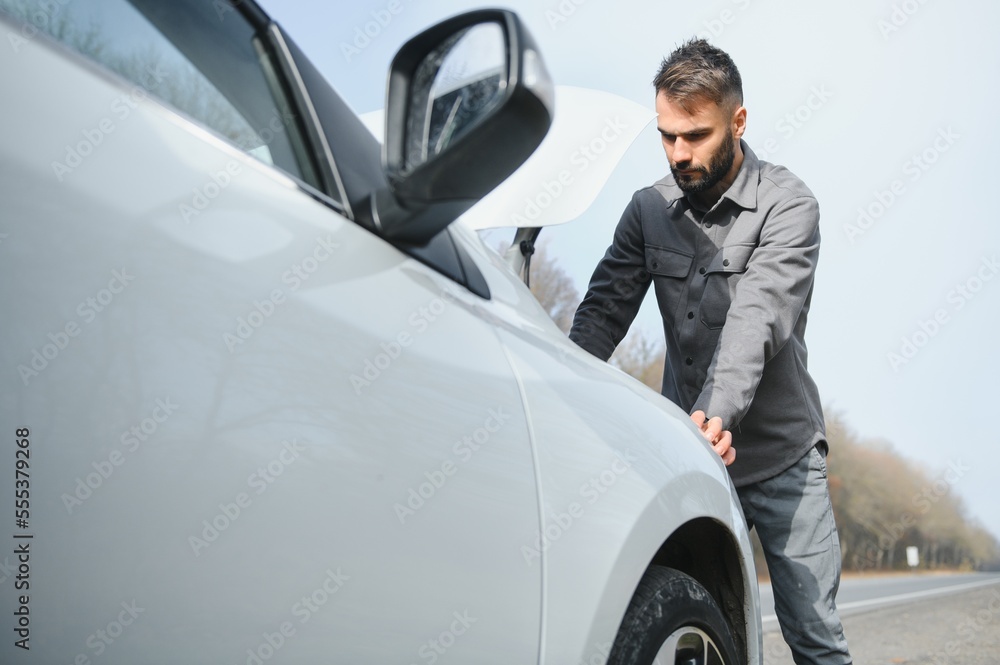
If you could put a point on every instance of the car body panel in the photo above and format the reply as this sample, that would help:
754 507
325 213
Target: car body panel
616 476
221 337
244 407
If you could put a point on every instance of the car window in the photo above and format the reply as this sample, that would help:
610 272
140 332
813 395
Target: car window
209 65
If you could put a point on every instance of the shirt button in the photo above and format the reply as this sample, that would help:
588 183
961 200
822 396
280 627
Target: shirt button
725 262
690 315
689 361
654 265
702 270
709 225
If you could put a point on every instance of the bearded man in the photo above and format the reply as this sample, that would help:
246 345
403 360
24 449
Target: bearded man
730 244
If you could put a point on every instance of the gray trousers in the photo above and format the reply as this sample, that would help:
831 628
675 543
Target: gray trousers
794 520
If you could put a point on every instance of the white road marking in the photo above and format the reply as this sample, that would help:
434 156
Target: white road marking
901 597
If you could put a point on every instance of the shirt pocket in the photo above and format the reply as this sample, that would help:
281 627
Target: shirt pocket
721 277
670 270
664 262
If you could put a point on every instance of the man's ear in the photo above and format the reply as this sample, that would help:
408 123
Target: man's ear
739 122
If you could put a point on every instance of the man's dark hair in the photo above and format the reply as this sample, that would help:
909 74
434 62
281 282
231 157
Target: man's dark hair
697 72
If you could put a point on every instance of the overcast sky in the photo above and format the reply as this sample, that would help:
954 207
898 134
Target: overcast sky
883 107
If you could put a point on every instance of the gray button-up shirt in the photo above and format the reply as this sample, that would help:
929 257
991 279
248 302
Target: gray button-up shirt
733 285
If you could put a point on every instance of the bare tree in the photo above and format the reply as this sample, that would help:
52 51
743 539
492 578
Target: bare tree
553 288
641 356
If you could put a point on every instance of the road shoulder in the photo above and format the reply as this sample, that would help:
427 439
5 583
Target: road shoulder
956 629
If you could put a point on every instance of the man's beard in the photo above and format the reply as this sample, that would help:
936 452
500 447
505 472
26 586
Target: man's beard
717 169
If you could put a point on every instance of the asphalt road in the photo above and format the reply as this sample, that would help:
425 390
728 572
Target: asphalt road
909 619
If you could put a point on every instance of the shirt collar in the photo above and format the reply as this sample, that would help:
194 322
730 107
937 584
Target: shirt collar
743 191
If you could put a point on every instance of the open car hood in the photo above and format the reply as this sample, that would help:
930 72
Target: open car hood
590 134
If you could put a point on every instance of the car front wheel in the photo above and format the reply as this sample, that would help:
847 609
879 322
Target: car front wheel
672 620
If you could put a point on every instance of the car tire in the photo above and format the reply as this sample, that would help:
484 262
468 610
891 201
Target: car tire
673 619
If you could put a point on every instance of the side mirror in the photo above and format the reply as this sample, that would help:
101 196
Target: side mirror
468 101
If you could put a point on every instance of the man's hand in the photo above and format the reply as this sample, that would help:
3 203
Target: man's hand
721 440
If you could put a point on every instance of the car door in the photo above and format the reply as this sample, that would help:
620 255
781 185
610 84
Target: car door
257 431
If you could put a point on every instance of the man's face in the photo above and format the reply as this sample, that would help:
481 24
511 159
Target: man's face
700 145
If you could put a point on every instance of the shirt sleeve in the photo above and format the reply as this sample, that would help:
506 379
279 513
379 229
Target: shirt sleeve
766 307
616 289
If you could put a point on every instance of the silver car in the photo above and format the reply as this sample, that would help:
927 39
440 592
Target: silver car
267 401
